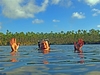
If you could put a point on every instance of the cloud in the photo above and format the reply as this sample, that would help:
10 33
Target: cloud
56 20
65 3
28 8
55 1
37 21
92 2
69 3
78 15
97 12
98 26
20 9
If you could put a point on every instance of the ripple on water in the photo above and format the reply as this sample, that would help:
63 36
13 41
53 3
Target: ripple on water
60 61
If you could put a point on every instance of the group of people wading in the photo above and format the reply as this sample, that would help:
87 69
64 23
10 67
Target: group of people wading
45 46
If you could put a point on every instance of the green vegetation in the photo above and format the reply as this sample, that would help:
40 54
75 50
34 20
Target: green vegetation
30 38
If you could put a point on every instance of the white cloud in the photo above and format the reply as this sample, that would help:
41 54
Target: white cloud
18 8
55 1
28 8
37 21
92 2
98 26
96 12
78 15
69 3
65 3
56 20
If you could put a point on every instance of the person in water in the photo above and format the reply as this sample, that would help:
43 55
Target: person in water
14 45
78 46
44 45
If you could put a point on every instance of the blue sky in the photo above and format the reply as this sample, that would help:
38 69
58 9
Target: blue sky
49 15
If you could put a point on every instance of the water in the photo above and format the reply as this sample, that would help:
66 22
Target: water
61 60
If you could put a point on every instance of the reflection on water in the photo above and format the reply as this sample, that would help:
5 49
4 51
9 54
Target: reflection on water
13 58
61 60
81 55
44 52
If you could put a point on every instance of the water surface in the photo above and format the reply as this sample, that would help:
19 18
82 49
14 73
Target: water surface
61 60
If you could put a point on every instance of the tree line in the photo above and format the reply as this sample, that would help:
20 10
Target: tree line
30 38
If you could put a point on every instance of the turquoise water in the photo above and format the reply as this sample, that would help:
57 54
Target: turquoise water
61 60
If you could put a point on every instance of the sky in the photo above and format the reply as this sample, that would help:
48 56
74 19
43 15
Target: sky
49 15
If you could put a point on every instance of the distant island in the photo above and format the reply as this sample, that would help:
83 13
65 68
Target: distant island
30 38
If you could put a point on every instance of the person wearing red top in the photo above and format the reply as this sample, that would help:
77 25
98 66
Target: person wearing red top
78 45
